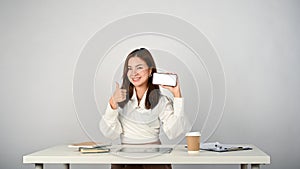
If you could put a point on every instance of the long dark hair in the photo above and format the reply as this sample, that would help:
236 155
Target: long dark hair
153 93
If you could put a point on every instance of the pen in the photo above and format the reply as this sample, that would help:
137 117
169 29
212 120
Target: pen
235 148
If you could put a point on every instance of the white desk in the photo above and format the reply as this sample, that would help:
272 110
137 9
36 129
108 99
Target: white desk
66 156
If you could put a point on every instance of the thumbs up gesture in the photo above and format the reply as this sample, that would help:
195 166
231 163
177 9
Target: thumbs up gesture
118 96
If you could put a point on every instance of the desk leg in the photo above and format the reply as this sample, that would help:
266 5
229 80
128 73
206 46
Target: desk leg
66 166
38 166
254 166
244 166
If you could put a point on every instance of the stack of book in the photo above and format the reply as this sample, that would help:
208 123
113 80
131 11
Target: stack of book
91 147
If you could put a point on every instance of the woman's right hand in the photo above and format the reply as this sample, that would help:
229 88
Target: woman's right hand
118 96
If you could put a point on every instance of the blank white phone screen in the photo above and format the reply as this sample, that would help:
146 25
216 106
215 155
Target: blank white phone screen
164 79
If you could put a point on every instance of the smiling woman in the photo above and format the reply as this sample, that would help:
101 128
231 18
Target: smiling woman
137 73
138 110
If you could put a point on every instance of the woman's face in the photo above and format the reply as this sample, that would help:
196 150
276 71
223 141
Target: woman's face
138 72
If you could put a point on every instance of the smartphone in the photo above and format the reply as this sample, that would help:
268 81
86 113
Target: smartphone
164 79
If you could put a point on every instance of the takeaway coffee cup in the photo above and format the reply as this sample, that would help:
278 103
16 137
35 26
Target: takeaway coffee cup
193 141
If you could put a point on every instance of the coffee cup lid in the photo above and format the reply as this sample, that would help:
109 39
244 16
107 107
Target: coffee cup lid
194 133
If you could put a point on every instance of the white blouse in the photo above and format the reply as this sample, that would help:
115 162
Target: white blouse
138 125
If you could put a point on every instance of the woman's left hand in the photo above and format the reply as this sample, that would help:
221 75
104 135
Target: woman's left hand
174 90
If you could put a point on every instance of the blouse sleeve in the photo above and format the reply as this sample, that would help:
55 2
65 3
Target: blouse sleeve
172 117
110 125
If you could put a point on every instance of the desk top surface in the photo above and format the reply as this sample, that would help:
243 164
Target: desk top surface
179 155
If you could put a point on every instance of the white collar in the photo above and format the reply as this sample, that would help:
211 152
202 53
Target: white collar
139 114
135 102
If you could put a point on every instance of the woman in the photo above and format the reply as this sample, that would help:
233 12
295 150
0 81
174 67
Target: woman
137 110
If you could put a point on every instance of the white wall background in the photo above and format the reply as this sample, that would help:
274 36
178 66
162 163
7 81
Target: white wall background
258 42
